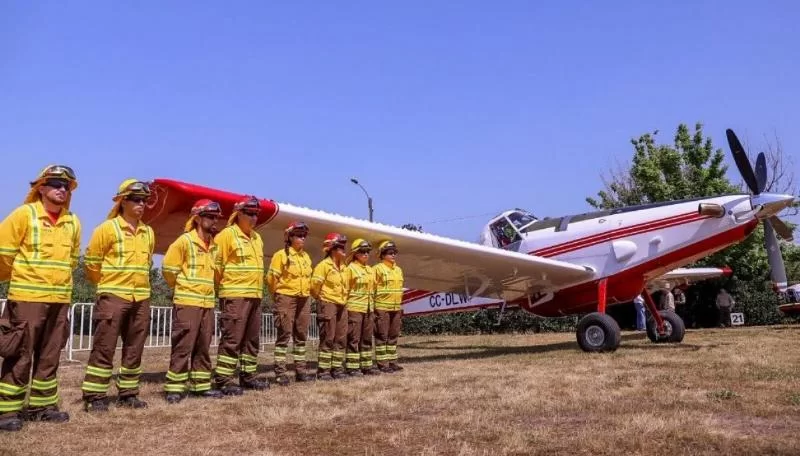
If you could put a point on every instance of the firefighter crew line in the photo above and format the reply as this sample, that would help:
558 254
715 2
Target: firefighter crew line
40 248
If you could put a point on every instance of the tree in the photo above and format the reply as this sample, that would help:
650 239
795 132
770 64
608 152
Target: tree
412 227
690 168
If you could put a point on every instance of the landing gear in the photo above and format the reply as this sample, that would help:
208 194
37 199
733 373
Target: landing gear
674 329
664 325
598 332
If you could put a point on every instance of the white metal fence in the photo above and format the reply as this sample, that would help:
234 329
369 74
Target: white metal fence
160 334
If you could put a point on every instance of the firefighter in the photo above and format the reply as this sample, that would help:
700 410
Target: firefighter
360 281
329 289
239 260
39 249
189 269
289 281
388 313
118 259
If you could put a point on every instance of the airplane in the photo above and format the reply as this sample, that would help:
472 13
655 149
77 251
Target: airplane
572 265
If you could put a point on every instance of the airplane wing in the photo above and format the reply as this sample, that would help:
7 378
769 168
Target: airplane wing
685 276
429 262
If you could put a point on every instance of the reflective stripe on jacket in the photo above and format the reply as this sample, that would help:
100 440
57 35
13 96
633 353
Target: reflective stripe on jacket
188 268
118 259
388 287
37 256
360 282
327 283
290 275
240 262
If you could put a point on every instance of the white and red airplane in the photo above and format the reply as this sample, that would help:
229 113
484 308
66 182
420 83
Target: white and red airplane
552 267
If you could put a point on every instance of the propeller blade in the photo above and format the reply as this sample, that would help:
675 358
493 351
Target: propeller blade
783 231
761 172
740 157
777 269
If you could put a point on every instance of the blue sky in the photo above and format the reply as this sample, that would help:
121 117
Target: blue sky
441 110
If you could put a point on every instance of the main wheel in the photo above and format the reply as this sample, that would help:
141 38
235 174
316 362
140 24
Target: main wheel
674 329
598 333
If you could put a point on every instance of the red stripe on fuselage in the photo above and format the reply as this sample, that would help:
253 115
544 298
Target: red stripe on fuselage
595 239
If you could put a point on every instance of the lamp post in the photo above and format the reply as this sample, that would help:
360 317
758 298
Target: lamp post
369 198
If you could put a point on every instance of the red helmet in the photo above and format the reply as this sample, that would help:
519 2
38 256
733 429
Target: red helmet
248 204
334 240
295 228
206 206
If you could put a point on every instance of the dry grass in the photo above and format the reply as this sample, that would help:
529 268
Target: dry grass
732 391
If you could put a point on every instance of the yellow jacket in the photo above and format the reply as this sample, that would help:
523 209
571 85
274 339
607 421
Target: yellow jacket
388 287
37 256
360 282
240 262
189 268
118 259
327 282
290 275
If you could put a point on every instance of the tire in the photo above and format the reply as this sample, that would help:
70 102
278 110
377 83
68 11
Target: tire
598 332
673 325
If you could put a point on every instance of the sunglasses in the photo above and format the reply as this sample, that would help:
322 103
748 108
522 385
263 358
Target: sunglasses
211 216
363 251
250 213
57 183
136 199
390 252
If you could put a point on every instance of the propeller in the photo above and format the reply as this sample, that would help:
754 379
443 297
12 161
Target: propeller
756 181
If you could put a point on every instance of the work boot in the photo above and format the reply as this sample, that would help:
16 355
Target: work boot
174 398
339 374
11 424
51 414
371 371
97 405
304 378
324 375
354 373
282 380
386 369
132 402
396 367
256 384
212 393
231 390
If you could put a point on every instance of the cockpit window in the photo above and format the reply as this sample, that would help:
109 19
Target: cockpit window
521 219
506 229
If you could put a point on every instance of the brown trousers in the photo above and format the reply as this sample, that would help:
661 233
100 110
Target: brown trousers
47 333
240 340
114 317
387 331
292 315
359 340
190 361
332 321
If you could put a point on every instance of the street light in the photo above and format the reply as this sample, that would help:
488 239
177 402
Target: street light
369 198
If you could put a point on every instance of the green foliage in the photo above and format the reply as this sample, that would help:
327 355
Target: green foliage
485 322
412 227
691 167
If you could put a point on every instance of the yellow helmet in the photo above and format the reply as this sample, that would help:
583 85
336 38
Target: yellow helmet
358 246
52 172
128 187
385 246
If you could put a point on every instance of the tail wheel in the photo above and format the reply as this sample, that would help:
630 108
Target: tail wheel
598 332
674 329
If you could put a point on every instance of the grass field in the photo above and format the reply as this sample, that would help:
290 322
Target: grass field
731 391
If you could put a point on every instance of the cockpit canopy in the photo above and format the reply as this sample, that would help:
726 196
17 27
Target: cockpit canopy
507 228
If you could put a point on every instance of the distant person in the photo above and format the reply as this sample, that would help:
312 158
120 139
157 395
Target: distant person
724 304
667 299
638 304
680 303
39 248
